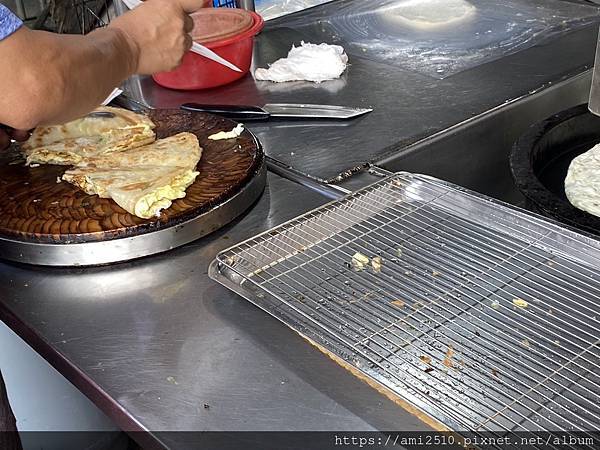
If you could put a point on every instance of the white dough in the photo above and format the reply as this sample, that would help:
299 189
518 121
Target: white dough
582 184
430 14
309 62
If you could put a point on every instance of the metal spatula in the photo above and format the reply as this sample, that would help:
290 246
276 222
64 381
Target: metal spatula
196 48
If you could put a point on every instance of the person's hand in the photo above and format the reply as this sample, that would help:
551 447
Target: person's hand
159 33
6 134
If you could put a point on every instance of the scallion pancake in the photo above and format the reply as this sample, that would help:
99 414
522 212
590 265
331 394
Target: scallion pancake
144 180
103 131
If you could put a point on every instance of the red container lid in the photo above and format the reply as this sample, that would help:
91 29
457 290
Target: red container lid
216 24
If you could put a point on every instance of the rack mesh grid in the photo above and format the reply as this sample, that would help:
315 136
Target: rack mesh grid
484 317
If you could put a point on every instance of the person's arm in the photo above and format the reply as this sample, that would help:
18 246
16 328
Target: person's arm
53 78
48 78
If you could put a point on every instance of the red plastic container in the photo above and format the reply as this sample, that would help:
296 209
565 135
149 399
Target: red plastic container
198 72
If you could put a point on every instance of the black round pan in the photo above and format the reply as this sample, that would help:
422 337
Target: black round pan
540 159
35 208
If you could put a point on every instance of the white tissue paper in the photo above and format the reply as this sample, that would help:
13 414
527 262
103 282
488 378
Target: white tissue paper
309 62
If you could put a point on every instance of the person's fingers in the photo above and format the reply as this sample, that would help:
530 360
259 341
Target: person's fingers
20 135
190 6
4 139
188 24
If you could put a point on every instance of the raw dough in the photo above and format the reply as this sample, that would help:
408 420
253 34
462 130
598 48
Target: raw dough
430 14
582 184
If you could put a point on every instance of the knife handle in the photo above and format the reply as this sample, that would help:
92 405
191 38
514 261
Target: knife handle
236 112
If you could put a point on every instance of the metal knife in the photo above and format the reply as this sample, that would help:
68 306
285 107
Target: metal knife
286 110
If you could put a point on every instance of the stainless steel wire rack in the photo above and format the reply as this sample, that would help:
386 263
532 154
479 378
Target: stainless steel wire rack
483 316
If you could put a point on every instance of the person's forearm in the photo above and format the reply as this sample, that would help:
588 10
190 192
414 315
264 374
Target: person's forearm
89 68
56 78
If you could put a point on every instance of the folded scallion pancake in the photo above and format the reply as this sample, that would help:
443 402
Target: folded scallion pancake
144 180
103 131
181 150
142 191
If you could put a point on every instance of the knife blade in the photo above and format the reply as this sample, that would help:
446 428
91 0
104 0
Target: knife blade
196 47
285 110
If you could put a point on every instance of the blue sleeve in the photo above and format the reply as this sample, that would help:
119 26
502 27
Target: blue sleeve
9 23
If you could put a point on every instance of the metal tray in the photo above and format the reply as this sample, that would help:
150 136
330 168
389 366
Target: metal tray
483 316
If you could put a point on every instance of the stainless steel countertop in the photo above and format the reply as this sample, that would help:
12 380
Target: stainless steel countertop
408 106
154 340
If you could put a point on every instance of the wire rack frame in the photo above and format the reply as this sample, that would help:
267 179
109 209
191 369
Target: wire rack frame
484 317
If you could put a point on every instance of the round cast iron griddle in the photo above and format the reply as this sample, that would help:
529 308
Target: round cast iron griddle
35 209
541 157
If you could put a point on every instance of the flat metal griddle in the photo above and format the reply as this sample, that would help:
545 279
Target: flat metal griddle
484 317
49 223
540 159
